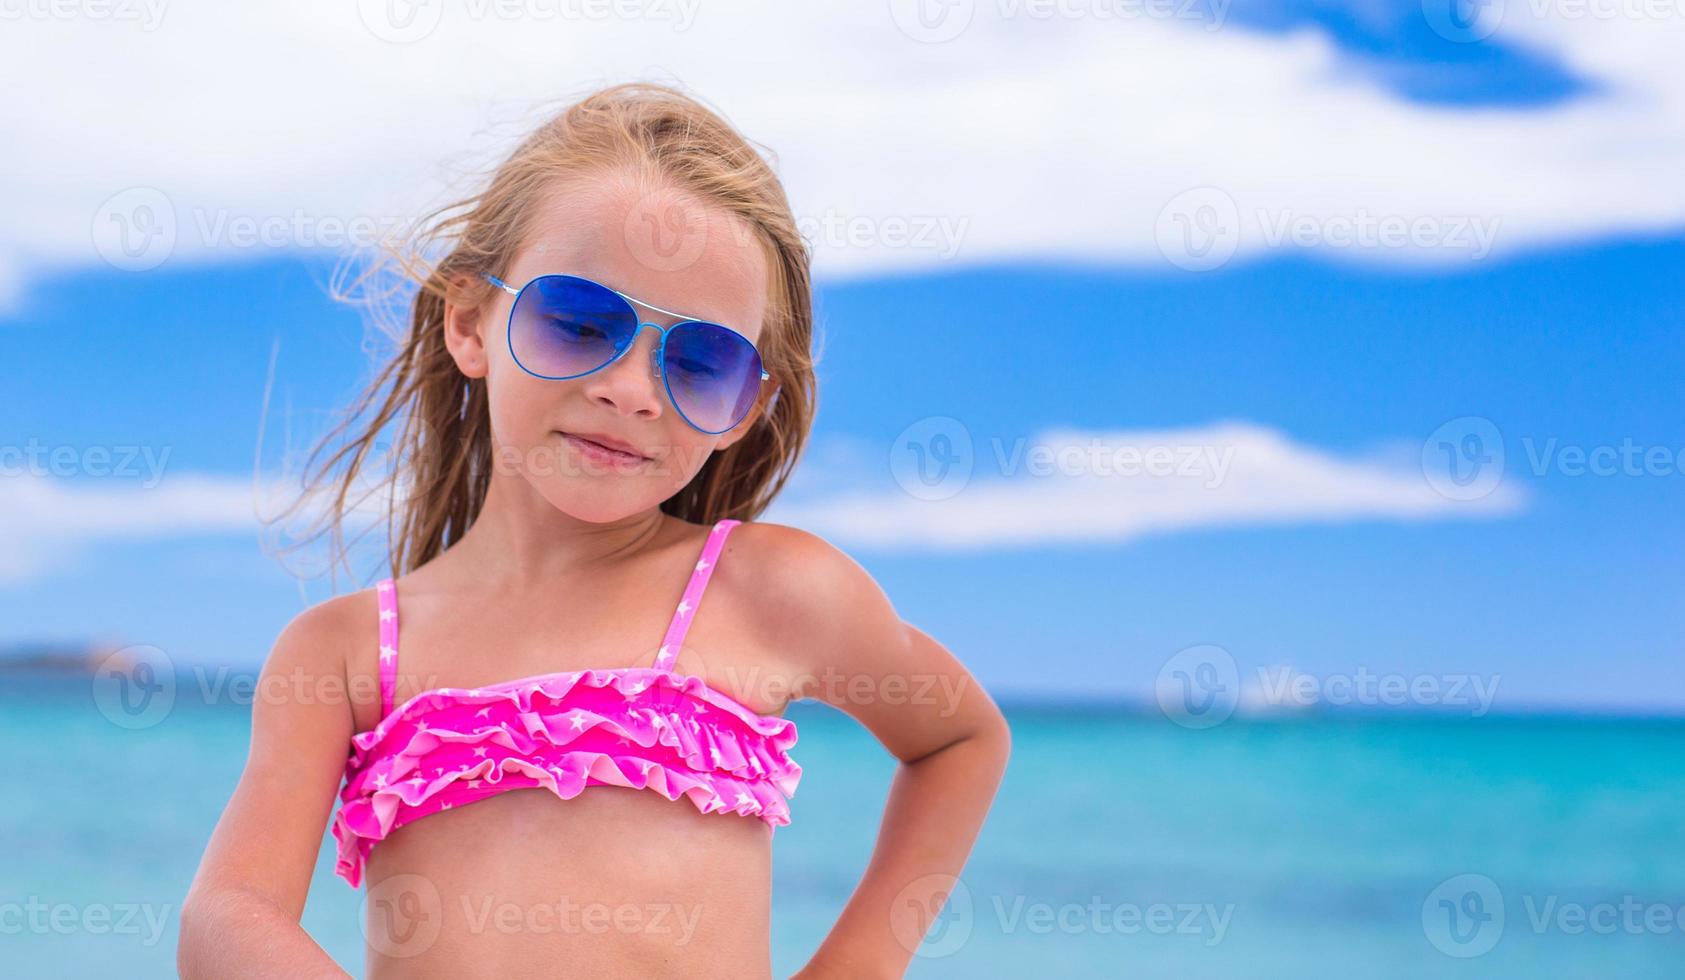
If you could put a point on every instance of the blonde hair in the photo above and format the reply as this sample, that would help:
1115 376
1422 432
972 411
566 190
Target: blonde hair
441 460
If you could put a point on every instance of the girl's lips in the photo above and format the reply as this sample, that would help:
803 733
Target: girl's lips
593 450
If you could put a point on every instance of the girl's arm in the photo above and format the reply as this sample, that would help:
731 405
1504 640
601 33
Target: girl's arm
241 915
928 711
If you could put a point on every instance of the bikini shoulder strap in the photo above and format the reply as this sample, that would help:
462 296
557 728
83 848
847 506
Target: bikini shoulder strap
387 592
686 610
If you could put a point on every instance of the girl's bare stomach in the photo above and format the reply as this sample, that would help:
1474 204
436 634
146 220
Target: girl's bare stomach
615 882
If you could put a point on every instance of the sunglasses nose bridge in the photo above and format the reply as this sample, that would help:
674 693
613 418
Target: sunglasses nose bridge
654 352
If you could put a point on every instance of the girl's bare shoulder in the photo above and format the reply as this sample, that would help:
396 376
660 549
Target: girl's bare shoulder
332 623
333 640
802 590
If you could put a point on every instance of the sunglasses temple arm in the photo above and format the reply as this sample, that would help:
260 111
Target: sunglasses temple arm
500 284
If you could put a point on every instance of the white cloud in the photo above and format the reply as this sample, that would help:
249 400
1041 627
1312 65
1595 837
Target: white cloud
1023 136
47 524
1102 488
50 525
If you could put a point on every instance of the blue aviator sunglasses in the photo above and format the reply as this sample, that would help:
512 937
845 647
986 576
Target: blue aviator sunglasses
563 327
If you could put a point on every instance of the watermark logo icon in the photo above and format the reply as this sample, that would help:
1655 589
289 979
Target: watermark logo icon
135 229
665 231
1198 229
1464 916
933 916
135 687
400 21
932 459
1464 458
1463 21
402 915
932 21
1199 687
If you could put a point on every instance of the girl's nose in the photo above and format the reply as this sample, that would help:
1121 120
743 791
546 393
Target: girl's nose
633 382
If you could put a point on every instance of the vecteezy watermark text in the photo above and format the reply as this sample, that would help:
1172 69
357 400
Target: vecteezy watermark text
939 21
409 21
404 915
35 458
1201 229
33 916
934 915
1466 458
938 234
149 14
934 458
1202 686
1470 21
140 228
1466 916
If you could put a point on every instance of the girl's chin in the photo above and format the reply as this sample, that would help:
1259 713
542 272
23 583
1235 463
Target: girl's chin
595 500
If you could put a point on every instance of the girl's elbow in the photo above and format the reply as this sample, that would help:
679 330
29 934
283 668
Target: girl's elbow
207 914
191 929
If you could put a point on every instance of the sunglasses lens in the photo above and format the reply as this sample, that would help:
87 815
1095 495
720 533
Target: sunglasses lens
713 374
563 326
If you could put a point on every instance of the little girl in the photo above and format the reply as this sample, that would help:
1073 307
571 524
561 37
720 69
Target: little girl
555 733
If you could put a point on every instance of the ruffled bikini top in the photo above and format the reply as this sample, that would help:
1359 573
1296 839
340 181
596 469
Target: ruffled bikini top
639 727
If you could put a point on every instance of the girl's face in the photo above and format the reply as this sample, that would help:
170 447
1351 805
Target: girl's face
657 246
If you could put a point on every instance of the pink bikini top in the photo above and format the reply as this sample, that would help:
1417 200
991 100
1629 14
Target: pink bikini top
640 727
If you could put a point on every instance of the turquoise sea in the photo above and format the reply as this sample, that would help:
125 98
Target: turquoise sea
1120 845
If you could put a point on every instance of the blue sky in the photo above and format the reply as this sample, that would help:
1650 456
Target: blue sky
1396 45
1064 317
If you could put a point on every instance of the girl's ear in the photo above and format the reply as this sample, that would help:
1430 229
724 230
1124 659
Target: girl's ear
465 330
